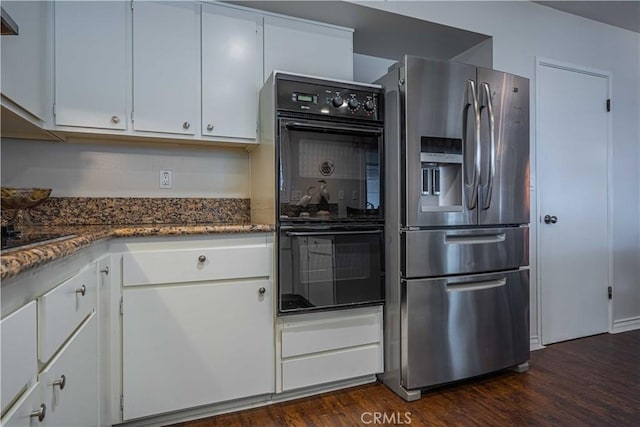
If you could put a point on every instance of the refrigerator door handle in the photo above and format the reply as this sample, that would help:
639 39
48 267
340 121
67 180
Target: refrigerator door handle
492 139
471 100
477 239
453 286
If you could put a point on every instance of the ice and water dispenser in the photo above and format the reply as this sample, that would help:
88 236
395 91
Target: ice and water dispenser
441 168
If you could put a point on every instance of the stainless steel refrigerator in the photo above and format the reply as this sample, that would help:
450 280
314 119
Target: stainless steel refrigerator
457 207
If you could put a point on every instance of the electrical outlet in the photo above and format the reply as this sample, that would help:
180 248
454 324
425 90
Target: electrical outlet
341 195
354 195
166 179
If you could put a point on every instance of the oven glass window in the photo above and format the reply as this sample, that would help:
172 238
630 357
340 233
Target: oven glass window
325 269
329 174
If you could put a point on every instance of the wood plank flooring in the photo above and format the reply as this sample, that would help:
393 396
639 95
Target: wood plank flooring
592 381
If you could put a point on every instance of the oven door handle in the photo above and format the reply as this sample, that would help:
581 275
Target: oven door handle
332 129
330 233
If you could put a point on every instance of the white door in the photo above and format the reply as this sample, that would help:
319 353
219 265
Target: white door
187 345
165 66
572 179
231 72
91 64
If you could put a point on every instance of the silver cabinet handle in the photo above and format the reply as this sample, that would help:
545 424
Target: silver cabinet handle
202 258
105 271
40 413
61 382
186 125
261 291
209 127
82 290
115 119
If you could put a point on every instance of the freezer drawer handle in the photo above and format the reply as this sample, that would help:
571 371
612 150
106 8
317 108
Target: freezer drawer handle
476 286
474 239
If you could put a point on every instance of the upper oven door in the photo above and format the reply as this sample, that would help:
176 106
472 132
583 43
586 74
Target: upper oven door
329 171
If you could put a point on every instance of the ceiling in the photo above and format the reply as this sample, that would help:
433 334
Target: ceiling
379 33
623 14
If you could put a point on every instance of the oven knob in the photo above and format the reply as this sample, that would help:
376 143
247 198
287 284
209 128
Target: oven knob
369 105
353 103
337 101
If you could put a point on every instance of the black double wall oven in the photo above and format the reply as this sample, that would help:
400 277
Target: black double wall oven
329 201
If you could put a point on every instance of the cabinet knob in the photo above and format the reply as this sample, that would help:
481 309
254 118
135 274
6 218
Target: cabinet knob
186 125
261 291
105 270
61 382
202 258
40 413
115 119
82 290
209 127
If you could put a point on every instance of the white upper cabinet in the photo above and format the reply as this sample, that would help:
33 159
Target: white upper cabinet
166 61
91 64
307 48
231 71
24 56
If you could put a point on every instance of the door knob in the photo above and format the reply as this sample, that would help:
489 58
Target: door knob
550 219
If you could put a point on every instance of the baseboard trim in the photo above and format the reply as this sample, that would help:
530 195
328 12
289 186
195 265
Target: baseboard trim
535 344
624 325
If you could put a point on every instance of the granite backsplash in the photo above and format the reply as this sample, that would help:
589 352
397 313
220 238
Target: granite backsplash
134 210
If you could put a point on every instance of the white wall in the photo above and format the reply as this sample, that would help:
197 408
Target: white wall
368 69
521 32
100 170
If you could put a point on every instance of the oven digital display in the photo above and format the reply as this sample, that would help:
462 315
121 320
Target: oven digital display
302 97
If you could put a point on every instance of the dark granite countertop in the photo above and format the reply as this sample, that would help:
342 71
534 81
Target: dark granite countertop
15 261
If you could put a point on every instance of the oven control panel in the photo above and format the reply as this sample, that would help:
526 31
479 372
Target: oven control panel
328 98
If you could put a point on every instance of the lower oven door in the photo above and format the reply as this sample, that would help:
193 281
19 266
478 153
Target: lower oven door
331 268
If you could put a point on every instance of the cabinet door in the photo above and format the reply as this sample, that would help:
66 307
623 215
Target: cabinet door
190 345
26 410
231 72
18 344
90 64
24 74
71 380
307 48
165 66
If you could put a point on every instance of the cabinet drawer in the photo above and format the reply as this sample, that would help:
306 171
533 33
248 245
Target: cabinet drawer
61 311
192 265
20 414
333 366
19 364
314 336
70 382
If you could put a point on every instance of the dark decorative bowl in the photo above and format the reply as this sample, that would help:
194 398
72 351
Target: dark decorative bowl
23 198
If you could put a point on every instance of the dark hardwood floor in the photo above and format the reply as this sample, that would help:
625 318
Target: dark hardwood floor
592 381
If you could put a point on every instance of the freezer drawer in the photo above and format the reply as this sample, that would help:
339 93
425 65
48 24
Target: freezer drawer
455 328
433 253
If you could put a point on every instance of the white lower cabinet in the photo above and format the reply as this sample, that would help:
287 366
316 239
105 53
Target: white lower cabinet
71 380
204 340
320 348
18 359
191 345
29 411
